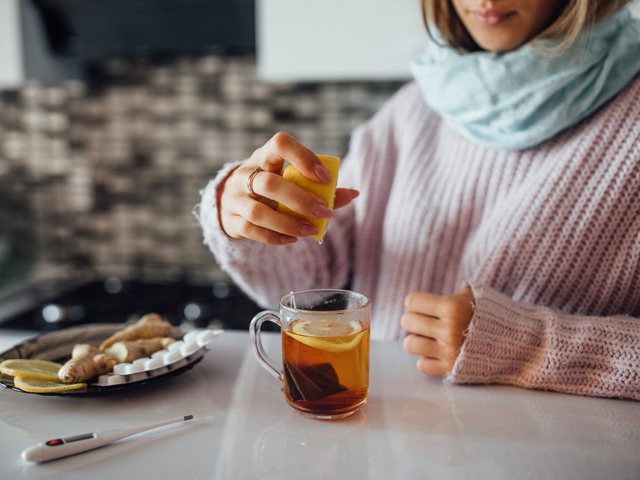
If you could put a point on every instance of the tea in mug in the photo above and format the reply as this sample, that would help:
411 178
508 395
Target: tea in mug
326 365
325 350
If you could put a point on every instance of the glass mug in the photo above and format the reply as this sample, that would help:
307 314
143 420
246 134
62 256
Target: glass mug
325 351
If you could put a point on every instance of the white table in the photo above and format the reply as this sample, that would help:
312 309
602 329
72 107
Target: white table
412 427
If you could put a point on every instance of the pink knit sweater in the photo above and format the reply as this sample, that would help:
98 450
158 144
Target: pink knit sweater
548 237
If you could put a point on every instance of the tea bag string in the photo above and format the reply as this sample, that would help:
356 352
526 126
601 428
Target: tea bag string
293 300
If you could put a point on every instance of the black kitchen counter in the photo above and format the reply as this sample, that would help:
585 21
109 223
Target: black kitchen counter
112 300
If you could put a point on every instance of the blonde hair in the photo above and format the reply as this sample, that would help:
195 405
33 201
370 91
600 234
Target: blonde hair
574 17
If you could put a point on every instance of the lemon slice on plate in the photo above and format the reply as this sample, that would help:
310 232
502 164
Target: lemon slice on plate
31 368
43 386
328 335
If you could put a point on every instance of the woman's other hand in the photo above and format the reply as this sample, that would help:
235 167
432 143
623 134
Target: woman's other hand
243 215
436 325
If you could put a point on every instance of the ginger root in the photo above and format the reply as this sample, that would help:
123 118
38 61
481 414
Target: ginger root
150 326
127 351
86 362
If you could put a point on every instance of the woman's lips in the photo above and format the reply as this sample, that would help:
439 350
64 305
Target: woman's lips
491 18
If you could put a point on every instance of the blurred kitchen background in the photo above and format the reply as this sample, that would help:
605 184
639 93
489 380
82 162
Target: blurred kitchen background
114 115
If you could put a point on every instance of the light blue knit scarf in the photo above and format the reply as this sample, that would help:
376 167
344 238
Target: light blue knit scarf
518 99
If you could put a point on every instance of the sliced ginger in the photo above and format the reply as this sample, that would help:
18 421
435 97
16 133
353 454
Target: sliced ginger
86 362
325 191
148 335
129 350
150 326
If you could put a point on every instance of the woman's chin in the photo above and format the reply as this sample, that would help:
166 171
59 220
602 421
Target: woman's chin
497 43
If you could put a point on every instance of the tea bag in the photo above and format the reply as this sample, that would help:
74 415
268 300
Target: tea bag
313 382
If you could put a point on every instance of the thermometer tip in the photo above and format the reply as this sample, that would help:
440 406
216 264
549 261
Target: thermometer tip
188 417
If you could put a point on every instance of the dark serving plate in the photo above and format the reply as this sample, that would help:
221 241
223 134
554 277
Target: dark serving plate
57 347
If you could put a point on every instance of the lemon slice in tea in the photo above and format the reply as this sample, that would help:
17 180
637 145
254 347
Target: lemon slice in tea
42 386
31 368
328 335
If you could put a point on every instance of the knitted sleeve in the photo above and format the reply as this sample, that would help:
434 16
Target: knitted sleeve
516 343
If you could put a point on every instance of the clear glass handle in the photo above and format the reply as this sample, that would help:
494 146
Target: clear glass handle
256 343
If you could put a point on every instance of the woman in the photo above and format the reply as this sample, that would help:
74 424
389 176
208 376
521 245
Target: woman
511 166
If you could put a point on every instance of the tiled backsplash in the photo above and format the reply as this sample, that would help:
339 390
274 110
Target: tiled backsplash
105 175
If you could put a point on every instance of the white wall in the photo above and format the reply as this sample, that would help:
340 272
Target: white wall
309 40
635 8
11 67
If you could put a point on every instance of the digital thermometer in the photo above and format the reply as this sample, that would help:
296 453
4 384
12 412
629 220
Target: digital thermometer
63 447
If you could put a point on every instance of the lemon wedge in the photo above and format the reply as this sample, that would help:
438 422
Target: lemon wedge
31 368
325 191
328 335
43 386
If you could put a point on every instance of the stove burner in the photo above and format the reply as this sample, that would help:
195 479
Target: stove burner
57 314
113 300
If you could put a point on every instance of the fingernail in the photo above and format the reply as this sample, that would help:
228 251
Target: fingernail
287 239
356 193
322 173
323 211
309 230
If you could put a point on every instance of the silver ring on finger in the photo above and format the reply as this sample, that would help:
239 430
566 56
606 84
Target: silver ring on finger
256 170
